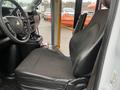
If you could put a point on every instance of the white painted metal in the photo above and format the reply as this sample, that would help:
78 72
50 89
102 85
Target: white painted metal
110 79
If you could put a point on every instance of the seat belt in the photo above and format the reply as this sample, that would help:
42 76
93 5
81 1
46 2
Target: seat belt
80 23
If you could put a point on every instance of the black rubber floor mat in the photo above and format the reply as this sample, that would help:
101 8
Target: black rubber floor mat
6 84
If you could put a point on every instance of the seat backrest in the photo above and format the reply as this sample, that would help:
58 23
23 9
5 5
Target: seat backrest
84 45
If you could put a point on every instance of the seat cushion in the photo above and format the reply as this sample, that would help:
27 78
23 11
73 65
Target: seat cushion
46 67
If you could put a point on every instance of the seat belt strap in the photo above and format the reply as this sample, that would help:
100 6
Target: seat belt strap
80 23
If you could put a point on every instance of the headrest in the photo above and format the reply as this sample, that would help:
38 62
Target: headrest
106 3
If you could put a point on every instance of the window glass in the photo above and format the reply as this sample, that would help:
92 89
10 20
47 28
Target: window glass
88 7
67 20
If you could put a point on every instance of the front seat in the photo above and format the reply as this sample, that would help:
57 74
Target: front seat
45 69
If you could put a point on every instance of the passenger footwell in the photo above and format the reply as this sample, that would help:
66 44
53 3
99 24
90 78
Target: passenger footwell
6 84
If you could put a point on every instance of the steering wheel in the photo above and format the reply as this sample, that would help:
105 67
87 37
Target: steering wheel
17 28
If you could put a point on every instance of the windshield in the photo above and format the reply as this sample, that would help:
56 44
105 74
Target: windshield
8 4
24 3
29 4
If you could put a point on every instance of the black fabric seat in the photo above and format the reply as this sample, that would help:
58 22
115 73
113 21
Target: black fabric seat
55 65
45 69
